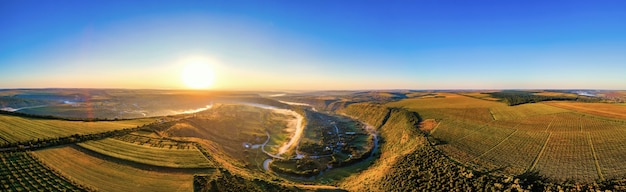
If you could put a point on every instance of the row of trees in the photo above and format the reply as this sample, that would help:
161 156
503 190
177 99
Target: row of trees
22 172
223 180
48 142
28 115
304 167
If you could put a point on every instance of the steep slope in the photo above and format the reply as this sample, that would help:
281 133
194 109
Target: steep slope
398 129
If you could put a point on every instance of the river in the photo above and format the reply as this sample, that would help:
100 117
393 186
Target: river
10 109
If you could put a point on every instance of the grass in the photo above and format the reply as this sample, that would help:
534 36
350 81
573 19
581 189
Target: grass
109 175
157 156
15 129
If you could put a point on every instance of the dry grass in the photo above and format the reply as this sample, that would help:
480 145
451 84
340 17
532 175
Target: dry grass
600 109
428 125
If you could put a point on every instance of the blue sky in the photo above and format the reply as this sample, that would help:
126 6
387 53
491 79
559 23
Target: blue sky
315 44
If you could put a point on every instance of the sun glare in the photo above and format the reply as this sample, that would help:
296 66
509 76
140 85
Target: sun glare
197 75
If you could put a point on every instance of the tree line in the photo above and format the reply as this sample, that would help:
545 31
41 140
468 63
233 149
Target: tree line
49 142
512 98
52 117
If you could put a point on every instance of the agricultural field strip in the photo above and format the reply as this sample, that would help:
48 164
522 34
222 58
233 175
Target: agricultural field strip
154 141
473 131
568 156
580 125
595 157
543 148
604 118
548 127
524 111
108 175
560 122
566 122
176 158
30 174
15 129
499 143
609 147
3 140
14 133
511 155
437 126
586 110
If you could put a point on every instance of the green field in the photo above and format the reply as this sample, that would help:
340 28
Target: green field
15 129
157 156
558 142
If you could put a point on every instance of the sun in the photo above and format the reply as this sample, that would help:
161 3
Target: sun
197 75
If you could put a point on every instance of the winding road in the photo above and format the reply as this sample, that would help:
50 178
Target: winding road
268 153
297 124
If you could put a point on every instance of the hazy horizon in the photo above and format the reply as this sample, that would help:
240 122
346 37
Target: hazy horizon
315 45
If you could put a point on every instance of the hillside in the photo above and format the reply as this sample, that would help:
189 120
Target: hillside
408 161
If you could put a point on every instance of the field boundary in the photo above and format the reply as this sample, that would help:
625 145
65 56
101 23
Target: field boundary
5 140
595 157
543 148
506 138
434 129
550 124
474 131
134 164
580 123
